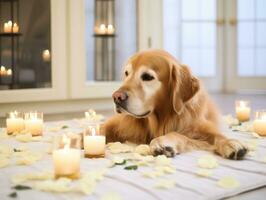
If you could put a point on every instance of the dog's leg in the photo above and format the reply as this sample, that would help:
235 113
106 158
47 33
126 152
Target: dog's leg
174 143
227 148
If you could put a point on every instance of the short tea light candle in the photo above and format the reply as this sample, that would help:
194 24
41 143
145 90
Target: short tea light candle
259 124
34 123
94 143
66 158
242 110
14 122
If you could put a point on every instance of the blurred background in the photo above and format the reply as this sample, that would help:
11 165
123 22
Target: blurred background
63 57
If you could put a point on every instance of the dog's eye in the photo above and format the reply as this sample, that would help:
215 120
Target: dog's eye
147 77
126 73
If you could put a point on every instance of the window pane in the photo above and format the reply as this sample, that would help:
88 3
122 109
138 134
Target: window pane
190 35
25 49
246 38
261 62
208 34
246 62
208 62
208 9
261 9
171 26
261 34
191 57
245 9
108 51
188 11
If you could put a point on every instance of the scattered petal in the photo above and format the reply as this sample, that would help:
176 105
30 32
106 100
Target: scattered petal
143 149
204 172
230 120
228 182
118 147
162 160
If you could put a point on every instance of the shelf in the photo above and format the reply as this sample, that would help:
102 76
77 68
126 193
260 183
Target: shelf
104 35
10 34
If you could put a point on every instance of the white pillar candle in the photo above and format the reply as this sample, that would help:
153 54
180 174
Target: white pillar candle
259 124
15 28
242 111
66 161
8 27
34 123
14 122
9 72
94 145
110 29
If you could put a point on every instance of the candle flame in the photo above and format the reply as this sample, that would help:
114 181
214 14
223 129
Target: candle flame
242 104
66 142
93 131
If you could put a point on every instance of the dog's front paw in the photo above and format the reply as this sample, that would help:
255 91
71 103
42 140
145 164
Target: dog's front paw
162 145
232 149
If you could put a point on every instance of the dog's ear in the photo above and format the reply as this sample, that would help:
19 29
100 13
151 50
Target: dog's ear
185 86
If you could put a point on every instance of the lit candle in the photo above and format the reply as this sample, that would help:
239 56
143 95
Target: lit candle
242 111
102 29
2 70
46 55
15 28
9 72
94 144
14 122
110 29
259 124
8 27
66 160
34 123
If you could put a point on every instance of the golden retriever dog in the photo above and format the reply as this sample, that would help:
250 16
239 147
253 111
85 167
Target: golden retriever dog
162 104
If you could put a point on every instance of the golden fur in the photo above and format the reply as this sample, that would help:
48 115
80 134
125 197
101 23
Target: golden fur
181 116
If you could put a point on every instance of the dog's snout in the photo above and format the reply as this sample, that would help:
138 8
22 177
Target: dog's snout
120 96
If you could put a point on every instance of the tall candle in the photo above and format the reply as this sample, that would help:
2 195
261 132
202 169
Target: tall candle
34 123
66 160
242 111
259 124
94 144
14 122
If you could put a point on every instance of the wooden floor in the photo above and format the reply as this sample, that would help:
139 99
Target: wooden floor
225 102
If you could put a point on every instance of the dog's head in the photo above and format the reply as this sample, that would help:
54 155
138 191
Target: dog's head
154 80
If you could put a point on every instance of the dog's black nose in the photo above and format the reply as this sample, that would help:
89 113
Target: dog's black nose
119 97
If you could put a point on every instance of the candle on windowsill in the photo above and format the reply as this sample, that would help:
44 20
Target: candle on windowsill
110 29
101 29
8 27
34 123
3 71
242 111
259 124
94 143
46 55
66 158
15 28
14 122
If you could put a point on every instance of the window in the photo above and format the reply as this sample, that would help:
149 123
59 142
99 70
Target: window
125 39
190 33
